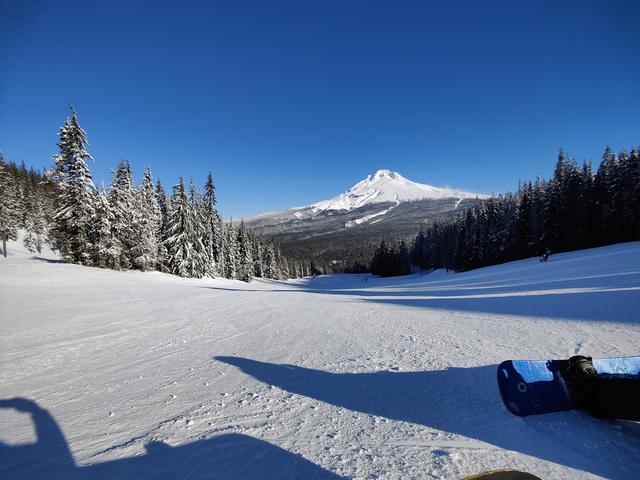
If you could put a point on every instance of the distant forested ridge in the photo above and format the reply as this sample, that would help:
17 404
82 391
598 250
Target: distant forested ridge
130 226
575 209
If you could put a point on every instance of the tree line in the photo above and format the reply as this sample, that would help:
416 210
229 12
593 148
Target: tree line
574 209
128 226
142 227
24 204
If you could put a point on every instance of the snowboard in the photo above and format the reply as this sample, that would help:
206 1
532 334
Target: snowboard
534 387
503 475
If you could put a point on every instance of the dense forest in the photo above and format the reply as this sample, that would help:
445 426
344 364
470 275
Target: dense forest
575 209
129 226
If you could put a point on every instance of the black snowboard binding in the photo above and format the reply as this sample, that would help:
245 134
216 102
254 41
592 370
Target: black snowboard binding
580 368
579 375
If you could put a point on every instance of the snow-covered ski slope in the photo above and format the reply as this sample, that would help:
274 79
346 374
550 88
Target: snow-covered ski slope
144 375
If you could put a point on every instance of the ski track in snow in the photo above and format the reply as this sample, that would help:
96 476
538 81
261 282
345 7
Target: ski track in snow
366 218
148 375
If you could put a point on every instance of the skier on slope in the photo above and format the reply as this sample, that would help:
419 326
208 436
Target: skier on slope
612 397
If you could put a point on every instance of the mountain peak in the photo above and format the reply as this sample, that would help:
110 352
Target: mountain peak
384 173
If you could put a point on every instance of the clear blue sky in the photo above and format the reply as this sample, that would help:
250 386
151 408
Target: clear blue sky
291 102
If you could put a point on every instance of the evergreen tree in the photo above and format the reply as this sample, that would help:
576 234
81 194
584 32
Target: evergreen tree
245 256
35 223
212 228
257 249
74 192
524 222
123 203
147 224
221 248
417 250
283 265
8 206
404 263
201 260
180 230
231 251
570 233
624 198
270 268
161 200
105 249
380 264
587 218
553 205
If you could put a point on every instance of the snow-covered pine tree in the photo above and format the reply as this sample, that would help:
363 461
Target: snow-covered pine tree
161 199
270 262
122 198
74 192
212 228
282 264
257 256
25 199
231 251
35 222
179 228
221 247
8 206
196 210
303 269
285 272
147 225
182 258
245 256
105 249
278 260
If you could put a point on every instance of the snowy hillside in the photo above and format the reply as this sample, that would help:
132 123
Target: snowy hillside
142 375
385 186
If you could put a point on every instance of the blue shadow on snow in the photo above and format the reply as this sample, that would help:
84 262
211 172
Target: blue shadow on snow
230 456
582 298
464 401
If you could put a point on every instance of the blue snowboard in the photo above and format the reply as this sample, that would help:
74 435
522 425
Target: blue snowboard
533 387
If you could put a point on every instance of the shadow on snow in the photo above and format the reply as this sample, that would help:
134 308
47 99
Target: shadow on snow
587 297
47 260
464 401
230 456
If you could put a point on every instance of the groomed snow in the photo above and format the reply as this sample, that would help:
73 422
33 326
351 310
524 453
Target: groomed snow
151 376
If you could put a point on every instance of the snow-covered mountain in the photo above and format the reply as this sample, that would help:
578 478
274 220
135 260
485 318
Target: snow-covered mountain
385 186
383 204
